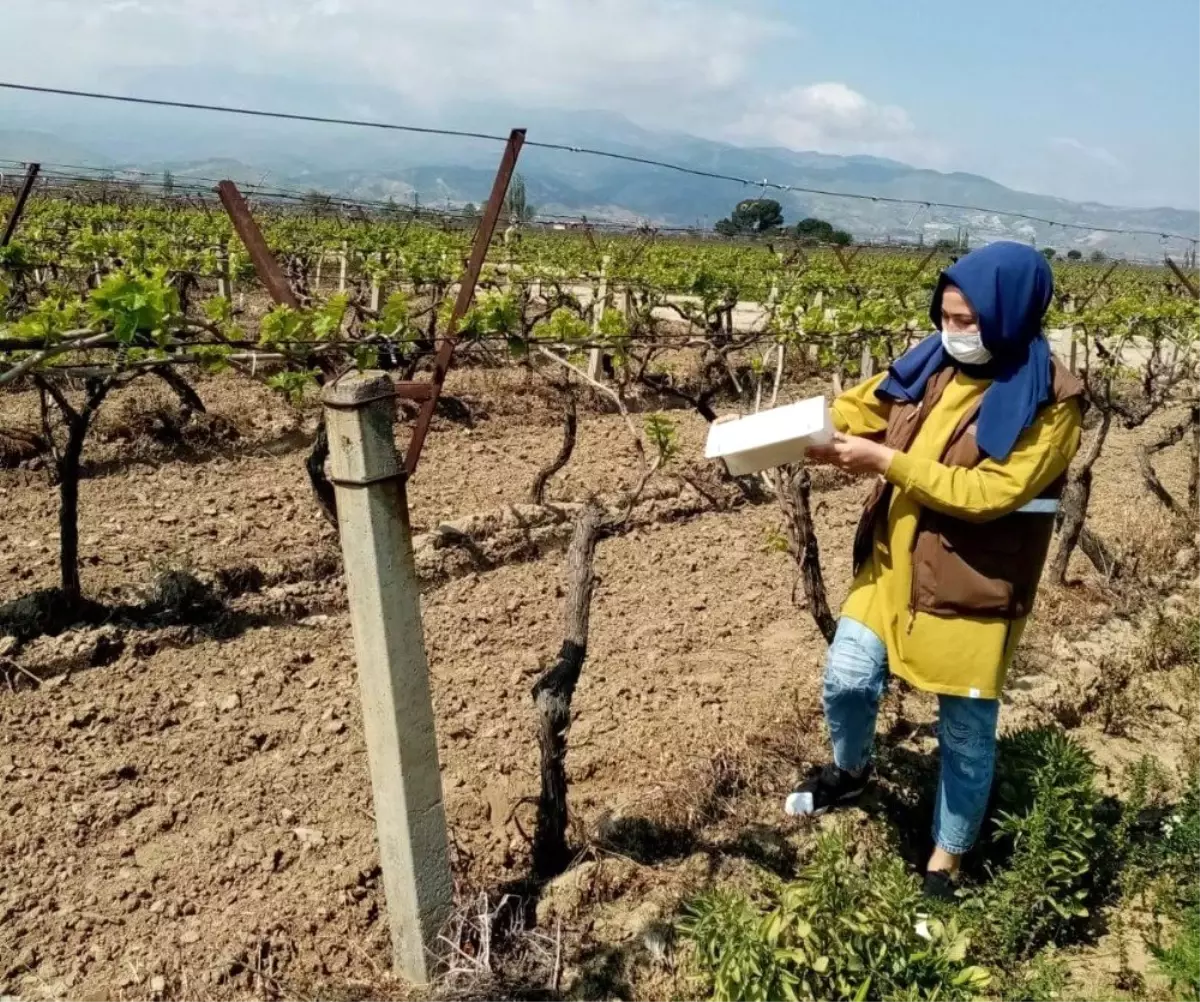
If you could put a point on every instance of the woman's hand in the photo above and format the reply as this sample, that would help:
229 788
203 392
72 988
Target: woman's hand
853 454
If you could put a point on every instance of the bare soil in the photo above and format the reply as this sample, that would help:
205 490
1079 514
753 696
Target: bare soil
186 812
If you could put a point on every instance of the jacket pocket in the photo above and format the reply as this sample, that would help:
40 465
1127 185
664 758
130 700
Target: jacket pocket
970 569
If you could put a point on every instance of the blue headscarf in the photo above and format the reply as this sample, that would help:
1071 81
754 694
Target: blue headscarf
1009 285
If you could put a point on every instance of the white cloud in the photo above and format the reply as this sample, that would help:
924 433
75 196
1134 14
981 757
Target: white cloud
831 117
602 53
690 65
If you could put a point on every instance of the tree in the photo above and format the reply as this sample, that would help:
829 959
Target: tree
1074 255
1098 256
752 216
470 211
317 202
516 204
168 182
815 231
1049 253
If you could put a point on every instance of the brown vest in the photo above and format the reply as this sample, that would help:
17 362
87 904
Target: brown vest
962 568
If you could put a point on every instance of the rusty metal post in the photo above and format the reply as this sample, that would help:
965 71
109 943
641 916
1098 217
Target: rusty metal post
1187 282
10 227
265 265
466 291
1100 283
921 267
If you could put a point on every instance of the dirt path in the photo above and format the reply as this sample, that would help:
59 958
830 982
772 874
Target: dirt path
197 810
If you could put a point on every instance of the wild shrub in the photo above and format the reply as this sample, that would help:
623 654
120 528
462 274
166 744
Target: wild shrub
840 930
178 597
1042 979
1178 848
1044 844
1178 958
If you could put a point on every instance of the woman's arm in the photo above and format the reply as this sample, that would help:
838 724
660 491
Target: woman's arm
995 487
859 411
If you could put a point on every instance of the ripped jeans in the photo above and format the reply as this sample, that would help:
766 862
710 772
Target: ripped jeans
856 672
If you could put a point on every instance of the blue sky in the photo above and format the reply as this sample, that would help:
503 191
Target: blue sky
1097 100
1086 99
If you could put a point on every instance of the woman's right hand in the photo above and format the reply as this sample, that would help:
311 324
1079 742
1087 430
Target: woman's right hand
853 454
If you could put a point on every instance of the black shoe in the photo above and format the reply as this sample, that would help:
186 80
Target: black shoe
939 886
831 787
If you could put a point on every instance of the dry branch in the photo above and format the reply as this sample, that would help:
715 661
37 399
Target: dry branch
1073 512
314 464
537 492
1174 436
793 488
608 391
74 341
552 694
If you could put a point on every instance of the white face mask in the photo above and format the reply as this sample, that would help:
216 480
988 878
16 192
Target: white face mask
967 349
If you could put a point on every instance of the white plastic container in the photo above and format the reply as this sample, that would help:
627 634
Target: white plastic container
770 438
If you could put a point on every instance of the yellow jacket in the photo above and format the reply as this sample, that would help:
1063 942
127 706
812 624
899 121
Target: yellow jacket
962 655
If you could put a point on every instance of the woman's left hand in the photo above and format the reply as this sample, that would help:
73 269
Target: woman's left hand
853 454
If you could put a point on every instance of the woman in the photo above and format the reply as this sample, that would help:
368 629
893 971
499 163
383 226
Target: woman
971 433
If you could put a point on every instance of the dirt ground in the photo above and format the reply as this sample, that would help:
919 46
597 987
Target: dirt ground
189 815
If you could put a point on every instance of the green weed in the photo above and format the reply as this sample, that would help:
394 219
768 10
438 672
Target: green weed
838 931
1178 959
1045 839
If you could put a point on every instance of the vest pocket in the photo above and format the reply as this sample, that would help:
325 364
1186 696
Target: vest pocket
966 569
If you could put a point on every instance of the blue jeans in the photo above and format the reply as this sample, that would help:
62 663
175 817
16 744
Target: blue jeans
856 672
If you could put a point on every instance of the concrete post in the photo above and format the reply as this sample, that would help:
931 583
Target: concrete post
393 673
866 362
593 367
224 279
1073 347
376 281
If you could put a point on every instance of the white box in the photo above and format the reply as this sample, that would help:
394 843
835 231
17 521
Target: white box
770 438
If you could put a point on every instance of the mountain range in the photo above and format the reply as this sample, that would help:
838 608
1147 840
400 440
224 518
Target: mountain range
444 171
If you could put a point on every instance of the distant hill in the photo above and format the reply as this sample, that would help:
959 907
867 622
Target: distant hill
566 184
44 147
445 171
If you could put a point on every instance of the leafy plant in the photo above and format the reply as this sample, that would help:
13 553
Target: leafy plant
394 321
775 542
293 384
1179 958
838 931
284 326
1178 845
132 304
1042 979
496 314
564 326
661 432
1046 839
